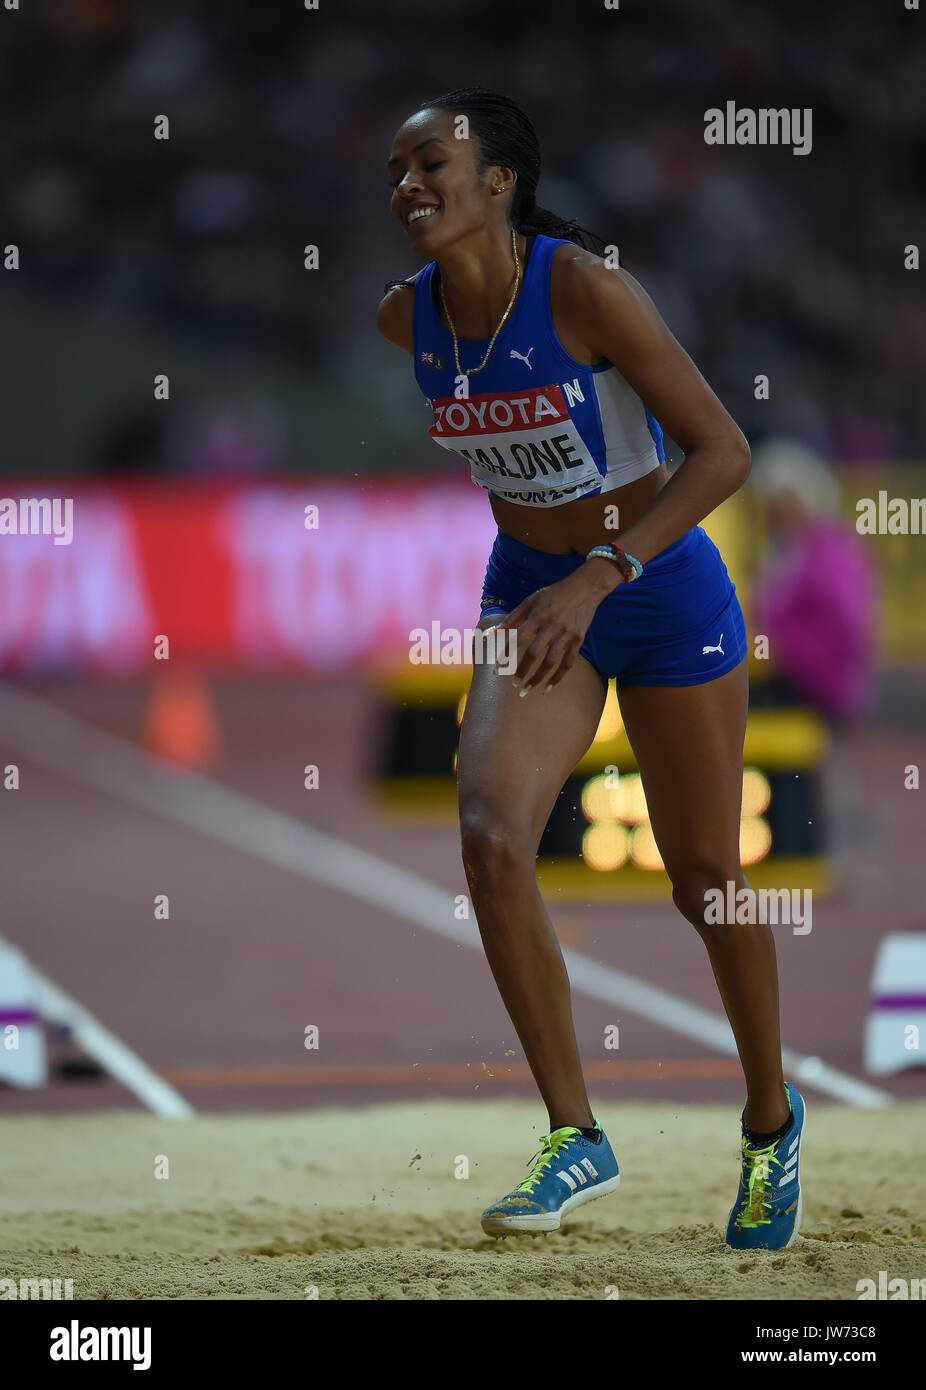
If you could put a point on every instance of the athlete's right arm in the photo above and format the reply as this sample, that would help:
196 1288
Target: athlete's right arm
394 317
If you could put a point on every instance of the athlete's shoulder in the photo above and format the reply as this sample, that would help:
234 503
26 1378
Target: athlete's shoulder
590 281
578 284
582 276
394 315
599 302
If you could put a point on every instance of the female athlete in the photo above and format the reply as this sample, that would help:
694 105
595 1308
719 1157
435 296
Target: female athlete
547 369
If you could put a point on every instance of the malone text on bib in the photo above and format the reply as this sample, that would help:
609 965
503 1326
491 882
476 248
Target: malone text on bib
523 443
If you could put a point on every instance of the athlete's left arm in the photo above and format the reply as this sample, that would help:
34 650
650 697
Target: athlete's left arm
617 320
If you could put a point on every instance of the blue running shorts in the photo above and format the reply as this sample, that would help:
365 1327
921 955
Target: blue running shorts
680 623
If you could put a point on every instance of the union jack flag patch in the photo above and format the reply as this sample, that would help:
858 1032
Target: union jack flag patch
432 359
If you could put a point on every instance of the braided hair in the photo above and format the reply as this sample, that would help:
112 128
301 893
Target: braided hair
506 136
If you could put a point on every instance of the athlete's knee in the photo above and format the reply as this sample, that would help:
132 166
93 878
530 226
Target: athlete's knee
495 849
698 888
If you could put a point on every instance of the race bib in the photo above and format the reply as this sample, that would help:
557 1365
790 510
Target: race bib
522 443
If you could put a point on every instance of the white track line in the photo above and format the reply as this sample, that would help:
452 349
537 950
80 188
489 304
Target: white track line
118 1060
65 744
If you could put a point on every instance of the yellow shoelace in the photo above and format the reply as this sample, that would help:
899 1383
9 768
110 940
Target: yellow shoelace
754 1209
550 1144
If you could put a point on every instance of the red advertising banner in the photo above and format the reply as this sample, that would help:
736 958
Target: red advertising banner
318 575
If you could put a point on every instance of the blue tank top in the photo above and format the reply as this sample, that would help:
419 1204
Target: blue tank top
539 428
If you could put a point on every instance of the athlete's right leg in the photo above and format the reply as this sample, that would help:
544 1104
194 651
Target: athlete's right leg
515 754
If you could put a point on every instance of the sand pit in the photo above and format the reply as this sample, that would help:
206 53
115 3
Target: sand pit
365 1205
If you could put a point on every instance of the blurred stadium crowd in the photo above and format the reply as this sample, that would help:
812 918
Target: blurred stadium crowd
761 261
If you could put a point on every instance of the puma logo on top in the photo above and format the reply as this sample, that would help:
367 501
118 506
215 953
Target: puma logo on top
520 356
718 648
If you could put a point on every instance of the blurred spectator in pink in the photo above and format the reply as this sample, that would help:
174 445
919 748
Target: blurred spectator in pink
816 598
816 595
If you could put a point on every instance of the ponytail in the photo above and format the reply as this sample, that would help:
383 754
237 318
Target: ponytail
546 223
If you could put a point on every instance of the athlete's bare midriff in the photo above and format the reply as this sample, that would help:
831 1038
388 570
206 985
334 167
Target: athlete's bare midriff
572 527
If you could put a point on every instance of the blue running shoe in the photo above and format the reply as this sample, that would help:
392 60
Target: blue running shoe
767 1214
568 1171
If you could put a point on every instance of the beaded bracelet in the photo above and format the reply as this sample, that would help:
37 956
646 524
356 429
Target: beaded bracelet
624 561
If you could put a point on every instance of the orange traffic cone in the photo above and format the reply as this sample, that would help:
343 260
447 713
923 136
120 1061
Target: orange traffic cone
181 726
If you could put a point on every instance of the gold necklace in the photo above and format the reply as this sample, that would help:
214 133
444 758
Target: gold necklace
514 293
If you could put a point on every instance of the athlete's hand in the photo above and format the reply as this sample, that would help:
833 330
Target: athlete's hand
550 625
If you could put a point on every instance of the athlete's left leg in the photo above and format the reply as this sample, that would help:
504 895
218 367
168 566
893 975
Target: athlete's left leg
688 743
